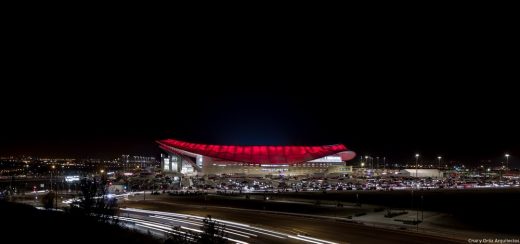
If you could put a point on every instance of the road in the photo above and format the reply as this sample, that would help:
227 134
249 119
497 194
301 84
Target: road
161 223
327 231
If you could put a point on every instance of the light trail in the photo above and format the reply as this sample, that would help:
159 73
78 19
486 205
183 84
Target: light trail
233 226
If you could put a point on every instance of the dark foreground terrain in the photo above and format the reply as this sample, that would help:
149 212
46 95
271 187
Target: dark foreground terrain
25 224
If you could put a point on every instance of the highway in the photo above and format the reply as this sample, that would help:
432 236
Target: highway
255 227
161 223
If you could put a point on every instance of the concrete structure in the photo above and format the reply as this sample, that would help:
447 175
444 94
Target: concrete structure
191 158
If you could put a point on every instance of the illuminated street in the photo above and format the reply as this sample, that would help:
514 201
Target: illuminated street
289 229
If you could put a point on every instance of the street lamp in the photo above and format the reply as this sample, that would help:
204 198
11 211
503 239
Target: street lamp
507 160
56 193
52 170
416 163
439 168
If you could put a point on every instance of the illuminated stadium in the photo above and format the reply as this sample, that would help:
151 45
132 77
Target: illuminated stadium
201 159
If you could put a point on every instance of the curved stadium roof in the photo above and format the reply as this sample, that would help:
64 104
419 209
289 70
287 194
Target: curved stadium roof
259 154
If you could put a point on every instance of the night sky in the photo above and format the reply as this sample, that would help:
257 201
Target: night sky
441 97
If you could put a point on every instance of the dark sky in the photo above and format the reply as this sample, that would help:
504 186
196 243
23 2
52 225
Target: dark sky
382 96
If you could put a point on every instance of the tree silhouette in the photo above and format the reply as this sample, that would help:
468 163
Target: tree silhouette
212 233
95 202
48 200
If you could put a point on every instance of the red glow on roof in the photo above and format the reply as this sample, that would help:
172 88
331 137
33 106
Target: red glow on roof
256 154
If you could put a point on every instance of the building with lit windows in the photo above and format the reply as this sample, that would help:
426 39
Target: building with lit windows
201 159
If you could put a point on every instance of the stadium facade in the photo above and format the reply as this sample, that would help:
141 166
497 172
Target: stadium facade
201 159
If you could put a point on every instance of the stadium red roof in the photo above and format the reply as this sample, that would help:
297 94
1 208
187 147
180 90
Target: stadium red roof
256 154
